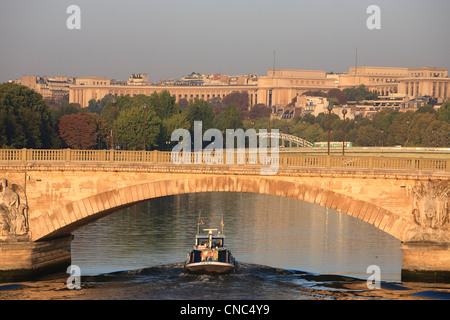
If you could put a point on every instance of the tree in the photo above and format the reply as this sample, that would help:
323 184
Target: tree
25 120
63 109
368 135
317 93
309 118
230 118
162 103
337 94
398 132
200 110
183 104
359 94
436 134
240 99
96 106
444 112
79 131
421 125
382 120
323 118
259 111
426 109
129 128
314 133
111 110
169 125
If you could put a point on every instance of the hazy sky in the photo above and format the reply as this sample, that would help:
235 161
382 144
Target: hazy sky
171 38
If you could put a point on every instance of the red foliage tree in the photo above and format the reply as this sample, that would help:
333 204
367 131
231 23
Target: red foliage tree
78 131
338 94
240 99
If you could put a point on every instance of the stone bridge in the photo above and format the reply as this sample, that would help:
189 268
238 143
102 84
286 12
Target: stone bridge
47 194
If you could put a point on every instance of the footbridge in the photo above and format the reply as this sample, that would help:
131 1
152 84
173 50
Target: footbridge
47 194
293 141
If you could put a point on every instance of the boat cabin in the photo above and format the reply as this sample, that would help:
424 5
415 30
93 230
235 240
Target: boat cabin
202 241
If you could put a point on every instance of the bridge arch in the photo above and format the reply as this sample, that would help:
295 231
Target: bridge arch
67 218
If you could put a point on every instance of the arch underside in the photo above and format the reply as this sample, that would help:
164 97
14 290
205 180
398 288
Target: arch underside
67 218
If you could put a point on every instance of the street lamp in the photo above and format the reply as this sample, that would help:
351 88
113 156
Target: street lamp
344 112
144 106
330 107
113 101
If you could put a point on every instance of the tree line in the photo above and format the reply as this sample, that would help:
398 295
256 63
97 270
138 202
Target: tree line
135 123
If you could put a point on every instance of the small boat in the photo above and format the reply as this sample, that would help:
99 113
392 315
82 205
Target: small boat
209 254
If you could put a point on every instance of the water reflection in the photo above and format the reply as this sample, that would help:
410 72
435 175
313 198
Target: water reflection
260 229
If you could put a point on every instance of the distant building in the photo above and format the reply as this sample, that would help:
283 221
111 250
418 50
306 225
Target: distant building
56 88
397 87
300 106
138 79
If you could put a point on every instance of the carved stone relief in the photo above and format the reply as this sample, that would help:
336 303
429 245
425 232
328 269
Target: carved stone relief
431 210
13 209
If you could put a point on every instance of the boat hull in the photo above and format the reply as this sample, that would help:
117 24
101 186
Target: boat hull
212 267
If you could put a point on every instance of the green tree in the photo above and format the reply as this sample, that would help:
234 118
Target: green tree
309 118
314 133
368 135
63 109
114 107
426 109
25 120
163 104
382 120
444 112
323 118
422 124
129 128
333 101
436 135
96 106
200 110
230 118
169 125
398 132
359 94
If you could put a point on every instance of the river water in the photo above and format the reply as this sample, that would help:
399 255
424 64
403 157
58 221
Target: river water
285 248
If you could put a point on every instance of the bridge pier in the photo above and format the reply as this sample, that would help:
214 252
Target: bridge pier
426 261
23 259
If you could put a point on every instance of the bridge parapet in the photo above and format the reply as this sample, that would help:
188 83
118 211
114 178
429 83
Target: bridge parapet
288 159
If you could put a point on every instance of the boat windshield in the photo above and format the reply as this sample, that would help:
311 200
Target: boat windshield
217 242
204 241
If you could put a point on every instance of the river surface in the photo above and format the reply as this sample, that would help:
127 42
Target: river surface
260 230
285 249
